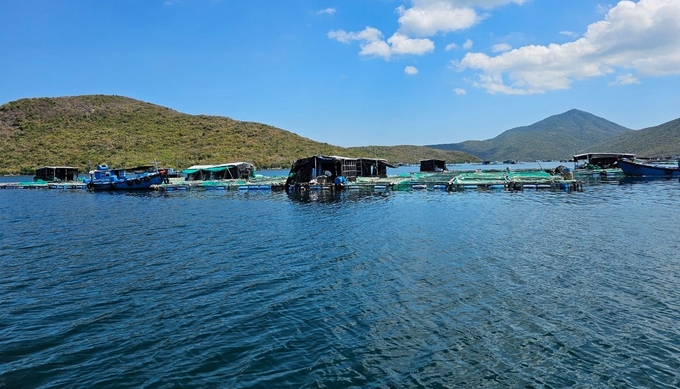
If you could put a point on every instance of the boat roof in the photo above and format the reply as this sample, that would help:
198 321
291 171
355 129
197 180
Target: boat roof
602 155
56 167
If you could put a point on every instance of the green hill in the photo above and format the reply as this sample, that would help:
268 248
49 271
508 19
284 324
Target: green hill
411 154
662 140
124 132
556 137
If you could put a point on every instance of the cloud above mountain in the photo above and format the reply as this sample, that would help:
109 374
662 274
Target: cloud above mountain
635 40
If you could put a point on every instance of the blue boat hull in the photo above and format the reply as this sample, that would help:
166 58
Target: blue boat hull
635 169
143 183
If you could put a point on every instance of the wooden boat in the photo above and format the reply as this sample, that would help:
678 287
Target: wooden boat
637 169
137 178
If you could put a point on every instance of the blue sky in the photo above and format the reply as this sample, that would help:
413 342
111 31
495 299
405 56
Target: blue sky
355 72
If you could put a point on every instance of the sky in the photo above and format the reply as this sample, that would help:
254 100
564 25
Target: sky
355 72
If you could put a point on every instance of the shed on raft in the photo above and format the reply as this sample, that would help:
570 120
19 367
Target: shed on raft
56 173
324 170
598 160
225 171
433 165
372 167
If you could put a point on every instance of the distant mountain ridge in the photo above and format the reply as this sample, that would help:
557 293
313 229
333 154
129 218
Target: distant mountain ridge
556 137
657 141
124 132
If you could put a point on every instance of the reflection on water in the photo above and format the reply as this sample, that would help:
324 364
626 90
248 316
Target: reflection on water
341 289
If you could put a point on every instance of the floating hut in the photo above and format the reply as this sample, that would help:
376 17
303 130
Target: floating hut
225 171
599 160
599 165
56 173
329 171
433 165
226 176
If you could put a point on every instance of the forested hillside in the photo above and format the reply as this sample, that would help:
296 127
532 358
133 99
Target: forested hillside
122 132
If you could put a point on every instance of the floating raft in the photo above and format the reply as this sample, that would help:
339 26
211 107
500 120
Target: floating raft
456 181
43 185
598 173
259 183
436 181
512 180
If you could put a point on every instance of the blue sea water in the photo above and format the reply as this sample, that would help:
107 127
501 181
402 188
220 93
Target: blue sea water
537 289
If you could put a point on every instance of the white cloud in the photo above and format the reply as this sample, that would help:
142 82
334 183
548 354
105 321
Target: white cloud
427 17
423 19
401 44
625 79
369 34
327 11
568 33
459 91
372 43
501 47
642 37
410 70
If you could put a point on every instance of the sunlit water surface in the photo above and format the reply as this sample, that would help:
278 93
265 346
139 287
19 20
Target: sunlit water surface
397 289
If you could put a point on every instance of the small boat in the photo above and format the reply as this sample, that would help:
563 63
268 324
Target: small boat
136 178
637 169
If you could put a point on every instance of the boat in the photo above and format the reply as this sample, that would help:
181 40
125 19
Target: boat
136 178
638 169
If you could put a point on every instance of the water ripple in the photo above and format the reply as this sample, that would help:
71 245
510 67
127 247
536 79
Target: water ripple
422 289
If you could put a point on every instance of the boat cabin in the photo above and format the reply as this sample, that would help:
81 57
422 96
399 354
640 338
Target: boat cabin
56 173
598 160
324 170
433 165
225 171
104 173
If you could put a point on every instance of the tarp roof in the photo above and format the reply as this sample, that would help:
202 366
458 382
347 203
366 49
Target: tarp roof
214 168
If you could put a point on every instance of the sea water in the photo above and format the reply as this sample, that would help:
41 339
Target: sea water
336 290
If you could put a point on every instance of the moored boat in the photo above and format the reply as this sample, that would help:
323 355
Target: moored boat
637 169
137 178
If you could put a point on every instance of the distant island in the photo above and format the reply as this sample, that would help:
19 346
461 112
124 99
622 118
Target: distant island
81 131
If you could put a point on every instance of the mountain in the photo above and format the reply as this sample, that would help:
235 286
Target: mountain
556 137
123 132
662 140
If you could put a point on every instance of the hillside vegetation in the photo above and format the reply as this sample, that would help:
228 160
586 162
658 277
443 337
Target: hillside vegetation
123 132
662 140
556 137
